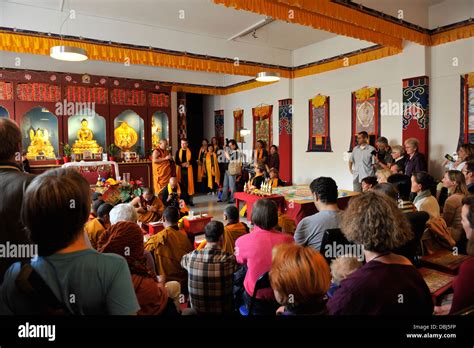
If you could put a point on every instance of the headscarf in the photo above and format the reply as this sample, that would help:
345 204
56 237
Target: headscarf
125 238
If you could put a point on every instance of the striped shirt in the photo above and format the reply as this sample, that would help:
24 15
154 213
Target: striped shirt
210 272
406 206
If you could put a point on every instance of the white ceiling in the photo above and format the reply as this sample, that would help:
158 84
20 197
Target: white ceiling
201 17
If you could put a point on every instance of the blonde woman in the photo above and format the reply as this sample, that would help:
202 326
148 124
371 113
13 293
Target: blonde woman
382 175
454 181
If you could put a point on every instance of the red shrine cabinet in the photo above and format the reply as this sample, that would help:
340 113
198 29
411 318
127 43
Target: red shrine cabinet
89 114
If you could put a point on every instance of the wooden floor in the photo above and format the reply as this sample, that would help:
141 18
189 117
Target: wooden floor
208 204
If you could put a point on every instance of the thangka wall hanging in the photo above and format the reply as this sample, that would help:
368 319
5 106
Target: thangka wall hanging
285 138
262 124
319 132
219 125
182 128
238 124
466 134
365 114
415 116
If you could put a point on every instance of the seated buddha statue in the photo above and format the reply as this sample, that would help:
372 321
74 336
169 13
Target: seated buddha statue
40 144
125 137
85 140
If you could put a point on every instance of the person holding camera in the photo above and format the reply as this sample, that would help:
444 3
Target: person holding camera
233 168
361 161
383 154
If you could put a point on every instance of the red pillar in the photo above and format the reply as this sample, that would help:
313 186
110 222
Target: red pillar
285 138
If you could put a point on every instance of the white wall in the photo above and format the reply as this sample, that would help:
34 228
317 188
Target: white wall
448 62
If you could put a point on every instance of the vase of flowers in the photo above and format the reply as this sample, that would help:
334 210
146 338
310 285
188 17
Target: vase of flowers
113 151
67 151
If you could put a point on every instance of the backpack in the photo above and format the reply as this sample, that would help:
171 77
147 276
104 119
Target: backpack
30 284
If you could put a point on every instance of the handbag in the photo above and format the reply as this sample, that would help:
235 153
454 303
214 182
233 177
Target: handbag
235 167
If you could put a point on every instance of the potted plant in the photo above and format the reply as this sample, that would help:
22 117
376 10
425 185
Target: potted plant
113 151
67 151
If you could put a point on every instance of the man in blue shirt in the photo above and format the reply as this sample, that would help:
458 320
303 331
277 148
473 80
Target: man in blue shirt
311 229
83 281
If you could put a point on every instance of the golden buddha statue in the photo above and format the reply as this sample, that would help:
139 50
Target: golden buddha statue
85 140
155 138
125 137
40 144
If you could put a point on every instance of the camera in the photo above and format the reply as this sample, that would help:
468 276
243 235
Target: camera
374 153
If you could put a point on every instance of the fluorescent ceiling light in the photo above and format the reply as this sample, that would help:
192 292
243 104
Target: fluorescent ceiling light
68 53
267 76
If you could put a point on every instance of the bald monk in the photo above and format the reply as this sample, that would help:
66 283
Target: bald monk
168 247
161 164
149 207
97 226
233 229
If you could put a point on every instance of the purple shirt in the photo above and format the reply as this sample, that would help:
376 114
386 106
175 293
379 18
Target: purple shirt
415 164
382 289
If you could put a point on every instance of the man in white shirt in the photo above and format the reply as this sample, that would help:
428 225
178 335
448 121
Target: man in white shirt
361 163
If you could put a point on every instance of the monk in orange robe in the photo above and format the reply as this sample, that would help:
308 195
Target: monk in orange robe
184 170
201 161
149 207
96 227
161 165
233 229
212 169
168 247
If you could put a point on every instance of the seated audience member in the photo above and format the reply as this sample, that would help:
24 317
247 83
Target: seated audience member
123 212
255 251
368 182
233 229
96 227
311 229
126 239
415 162
275 180
382 175
168 247
300 279
402 184
399 157
454 181
396 168
149 207
210 274
274 159
387 189
465 151
94 207
421 183
388 284
341 268
97 196
259 177
463 295
100 283
468 171
383 156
